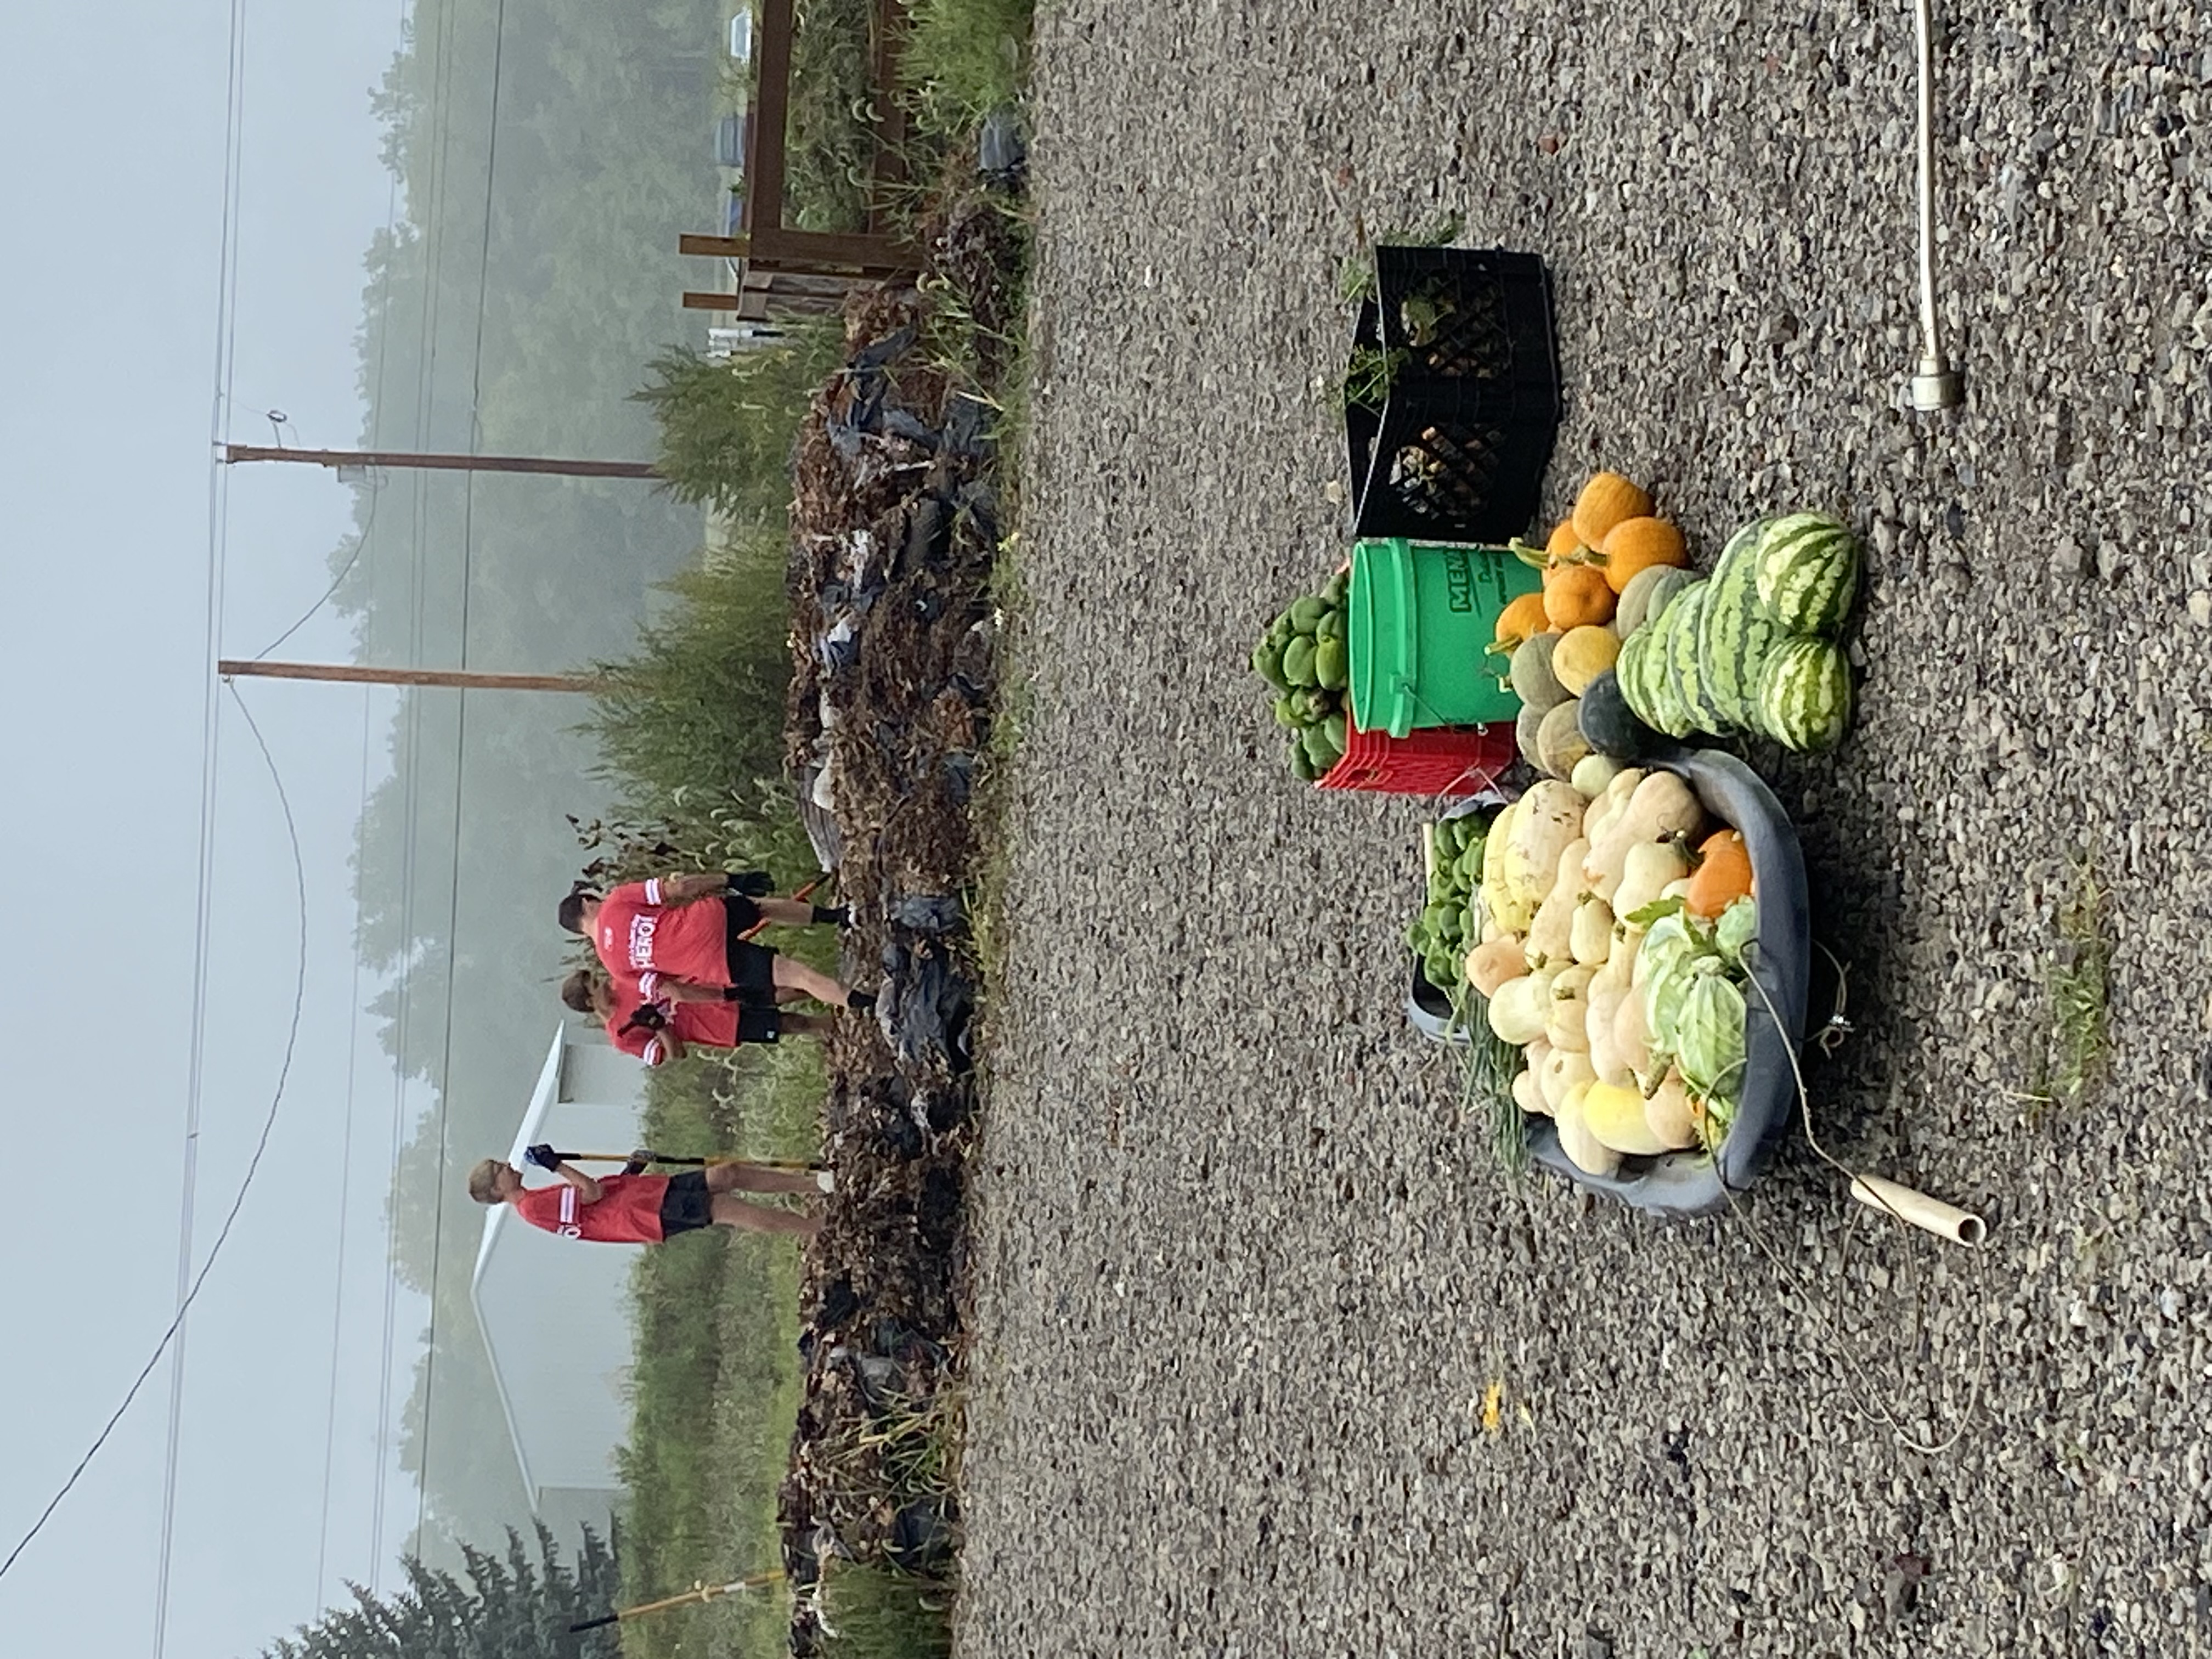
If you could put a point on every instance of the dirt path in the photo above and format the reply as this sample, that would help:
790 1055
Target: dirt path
1244 1275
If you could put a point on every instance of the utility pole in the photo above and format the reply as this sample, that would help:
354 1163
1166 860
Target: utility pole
362 674
393 458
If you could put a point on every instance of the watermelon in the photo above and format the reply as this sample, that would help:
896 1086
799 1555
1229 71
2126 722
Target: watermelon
1685 626
1805 695
1736 633
1628 674
1807 572
1661 689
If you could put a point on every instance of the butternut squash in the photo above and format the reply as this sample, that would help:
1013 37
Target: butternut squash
1589 936
1563 1070
1607 988
1670 1114
1607 806
1566 1028
1645 872
1489 965
1546 822
1521 1005
1551 934
1631 1039
1583 1150
1662 807
1527 1097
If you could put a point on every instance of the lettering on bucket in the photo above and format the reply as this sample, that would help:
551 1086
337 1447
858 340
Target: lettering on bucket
1459 579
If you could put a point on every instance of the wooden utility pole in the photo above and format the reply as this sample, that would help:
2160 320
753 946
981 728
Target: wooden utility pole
362 674
392 457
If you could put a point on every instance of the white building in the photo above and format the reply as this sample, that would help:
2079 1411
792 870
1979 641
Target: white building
556 1312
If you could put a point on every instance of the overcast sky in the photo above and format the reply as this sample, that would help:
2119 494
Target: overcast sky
114 115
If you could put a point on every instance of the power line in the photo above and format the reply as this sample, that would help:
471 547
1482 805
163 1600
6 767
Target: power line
226 348
252 1166
460 757
345 1201
368 719
425 400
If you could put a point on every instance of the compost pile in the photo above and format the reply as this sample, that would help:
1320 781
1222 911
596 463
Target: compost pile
894 531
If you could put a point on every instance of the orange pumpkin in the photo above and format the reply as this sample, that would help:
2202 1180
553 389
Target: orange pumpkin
1563 544
1723 875
1636 545
1606 500
1524 616
1576 596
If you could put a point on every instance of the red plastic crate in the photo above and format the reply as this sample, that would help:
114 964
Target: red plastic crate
1440 760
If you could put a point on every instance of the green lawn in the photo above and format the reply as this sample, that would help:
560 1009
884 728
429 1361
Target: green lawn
716 1379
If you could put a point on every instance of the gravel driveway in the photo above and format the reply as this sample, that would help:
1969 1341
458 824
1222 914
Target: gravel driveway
1244 1274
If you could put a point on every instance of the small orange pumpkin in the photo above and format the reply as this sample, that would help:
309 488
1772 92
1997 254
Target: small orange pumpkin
1636 545
1563 544
1524 616
1576 596
1723 875
1606 500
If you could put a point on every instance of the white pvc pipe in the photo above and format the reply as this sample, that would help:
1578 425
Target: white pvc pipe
1936 383
1930 1214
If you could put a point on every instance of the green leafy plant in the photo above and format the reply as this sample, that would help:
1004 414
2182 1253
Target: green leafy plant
963 59
866 1612
727 426
2076 1042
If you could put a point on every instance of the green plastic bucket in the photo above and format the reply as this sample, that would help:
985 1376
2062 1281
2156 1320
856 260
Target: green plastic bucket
1421 617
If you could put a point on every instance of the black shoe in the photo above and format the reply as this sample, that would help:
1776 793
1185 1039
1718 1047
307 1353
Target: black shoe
861 1002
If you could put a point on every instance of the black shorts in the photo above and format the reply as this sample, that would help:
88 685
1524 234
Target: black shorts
687 1205
758 1024
752 967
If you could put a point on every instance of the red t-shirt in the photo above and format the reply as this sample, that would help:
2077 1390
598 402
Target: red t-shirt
640 938
628 1212
712 1023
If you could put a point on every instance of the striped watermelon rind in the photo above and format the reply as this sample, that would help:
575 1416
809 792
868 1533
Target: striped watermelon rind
1685 634
1805 695
1808 571
1663 682
1736 633
1628 672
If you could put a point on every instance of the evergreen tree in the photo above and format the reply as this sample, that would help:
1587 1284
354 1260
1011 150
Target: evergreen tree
510 1607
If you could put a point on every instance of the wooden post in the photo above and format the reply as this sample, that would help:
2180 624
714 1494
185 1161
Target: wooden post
364 674
391 457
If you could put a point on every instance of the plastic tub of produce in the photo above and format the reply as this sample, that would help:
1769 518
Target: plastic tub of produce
1428 1010
1695 1183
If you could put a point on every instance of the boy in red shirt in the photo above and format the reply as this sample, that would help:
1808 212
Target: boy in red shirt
682 939
657 1032
643 1209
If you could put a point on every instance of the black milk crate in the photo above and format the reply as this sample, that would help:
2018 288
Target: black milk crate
1457 452
1482 315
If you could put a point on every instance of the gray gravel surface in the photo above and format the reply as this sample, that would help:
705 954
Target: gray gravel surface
1244 1273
